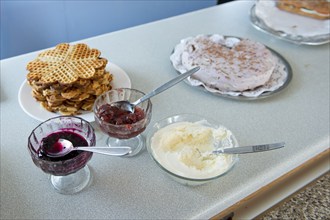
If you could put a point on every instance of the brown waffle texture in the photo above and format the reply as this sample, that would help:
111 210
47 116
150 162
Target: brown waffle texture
68 78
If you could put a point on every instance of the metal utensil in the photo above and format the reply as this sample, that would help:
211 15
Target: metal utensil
130 107
250 149
67 147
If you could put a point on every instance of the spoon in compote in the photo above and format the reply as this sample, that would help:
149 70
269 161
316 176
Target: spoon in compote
64 147
130 107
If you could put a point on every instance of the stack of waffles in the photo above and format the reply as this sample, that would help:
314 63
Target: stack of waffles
68 79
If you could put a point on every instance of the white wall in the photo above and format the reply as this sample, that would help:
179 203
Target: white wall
33 25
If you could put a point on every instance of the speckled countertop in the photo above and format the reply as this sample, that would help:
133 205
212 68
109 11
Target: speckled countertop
135 188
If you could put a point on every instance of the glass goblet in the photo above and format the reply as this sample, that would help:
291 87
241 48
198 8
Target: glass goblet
68 174
122 128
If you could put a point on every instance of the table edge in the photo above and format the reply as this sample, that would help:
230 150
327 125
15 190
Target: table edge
228 212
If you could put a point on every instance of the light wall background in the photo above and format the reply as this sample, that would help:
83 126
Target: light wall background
28 25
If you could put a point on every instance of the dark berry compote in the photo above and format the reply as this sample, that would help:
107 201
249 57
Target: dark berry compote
67 164
120 123
50 144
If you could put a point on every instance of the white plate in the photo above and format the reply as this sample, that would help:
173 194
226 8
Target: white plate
266 17
33 108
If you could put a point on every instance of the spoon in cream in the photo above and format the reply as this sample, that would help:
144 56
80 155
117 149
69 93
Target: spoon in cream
249 149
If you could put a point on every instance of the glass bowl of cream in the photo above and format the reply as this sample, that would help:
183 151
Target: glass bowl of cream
183 145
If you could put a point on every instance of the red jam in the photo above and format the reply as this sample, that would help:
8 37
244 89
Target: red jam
117 116
110 116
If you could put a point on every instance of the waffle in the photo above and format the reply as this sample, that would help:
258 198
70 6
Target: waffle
319 9
68 78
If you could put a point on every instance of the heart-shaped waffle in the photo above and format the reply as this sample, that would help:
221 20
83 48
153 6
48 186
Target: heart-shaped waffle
65 64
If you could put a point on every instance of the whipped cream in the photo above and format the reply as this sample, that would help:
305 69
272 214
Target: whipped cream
184 148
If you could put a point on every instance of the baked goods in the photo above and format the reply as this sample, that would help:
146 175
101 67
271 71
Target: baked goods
68 78
294 28
227 64
319 9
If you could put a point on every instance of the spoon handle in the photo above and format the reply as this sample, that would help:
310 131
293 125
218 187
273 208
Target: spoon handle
112 151
250 149
166 85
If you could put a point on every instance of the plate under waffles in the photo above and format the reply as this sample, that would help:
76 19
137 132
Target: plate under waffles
33 108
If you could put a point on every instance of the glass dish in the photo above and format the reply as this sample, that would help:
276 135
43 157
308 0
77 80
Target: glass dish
230 142
123 134
68 174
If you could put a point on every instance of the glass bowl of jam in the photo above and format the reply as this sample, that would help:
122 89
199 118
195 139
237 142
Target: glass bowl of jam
123 128
68 174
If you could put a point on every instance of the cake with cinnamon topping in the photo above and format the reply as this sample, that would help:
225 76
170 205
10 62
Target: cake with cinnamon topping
228 64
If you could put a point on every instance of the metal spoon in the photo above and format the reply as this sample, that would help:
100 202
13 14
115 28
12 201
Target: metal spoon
130 107
250 149
67 147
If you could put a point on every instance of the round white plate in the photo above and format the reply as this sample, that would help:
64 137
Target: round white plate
33 108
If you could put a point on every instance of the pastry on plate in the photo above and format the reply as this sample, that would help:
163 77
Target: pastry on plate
68 78
319 9
227 63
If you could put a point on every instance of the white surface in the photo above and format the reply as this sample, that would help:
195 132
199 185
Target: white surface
33 108
134 187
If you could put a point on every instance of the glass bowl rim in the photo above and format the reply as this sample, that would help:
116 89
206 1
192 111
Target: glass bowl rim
33 151
148 109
